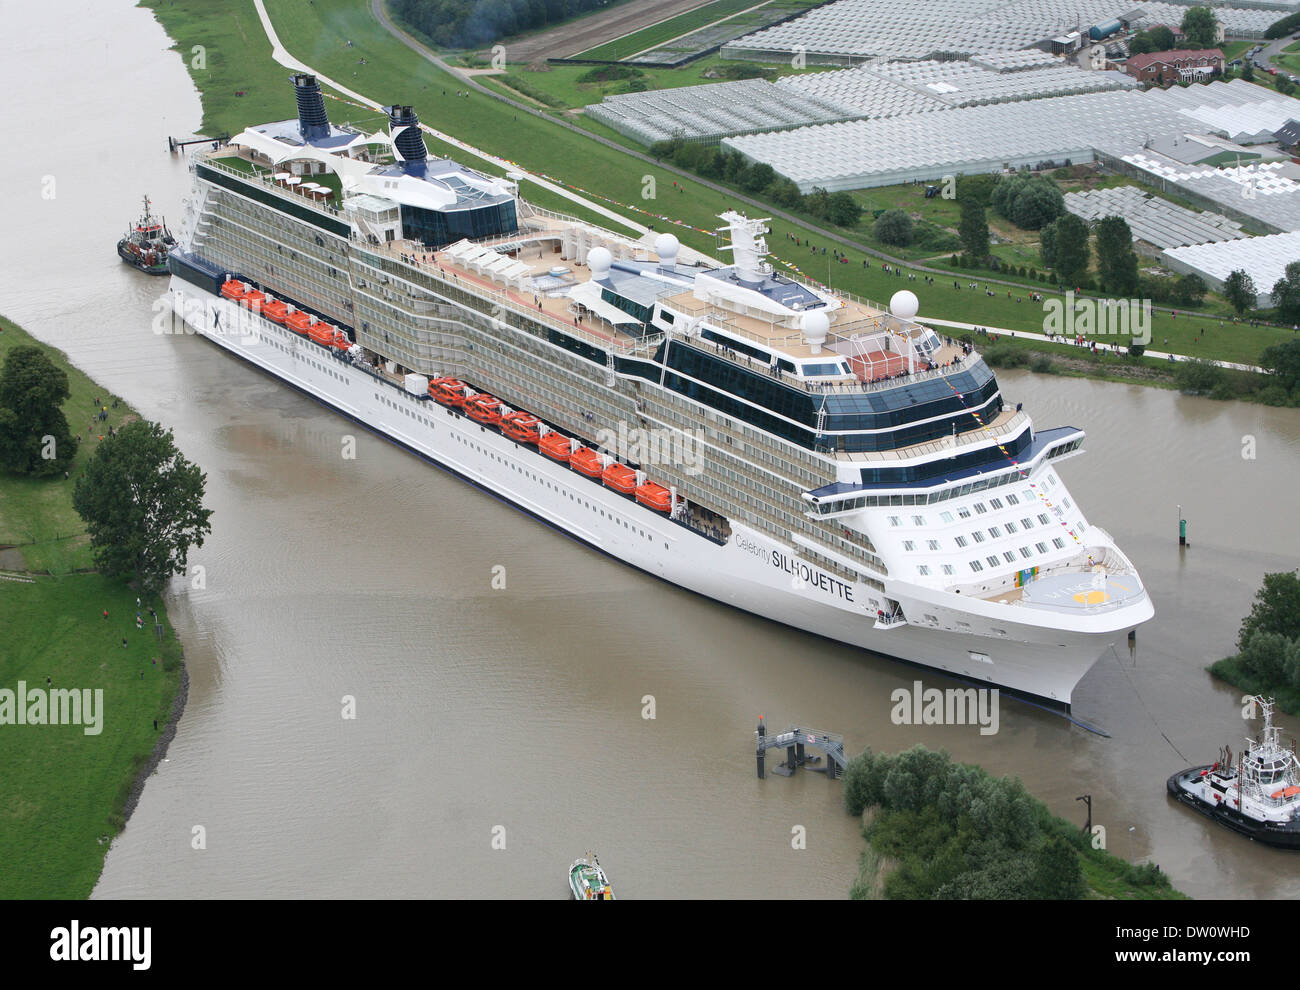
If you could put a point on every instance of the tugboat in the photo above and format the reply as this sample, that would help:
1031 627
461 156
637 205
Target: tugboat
146 244
1259 797
588 882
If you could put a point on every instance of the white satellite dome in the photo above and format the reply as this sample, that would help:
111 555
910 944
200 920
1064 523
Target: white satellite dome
816 325
667 246
904 305
598 260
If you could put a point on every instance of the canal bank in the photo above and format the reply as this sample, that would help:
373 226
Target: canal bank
92 677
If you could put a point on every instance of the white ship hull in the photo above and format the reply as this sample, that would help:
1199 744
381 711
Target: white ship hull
751 571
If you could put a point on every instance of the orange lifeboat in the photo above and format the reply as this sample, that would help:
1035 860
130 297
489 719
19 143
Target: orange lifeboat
276 311
556 446
298 322
654 496
520 426
234 289
485 409
448 391
341 340
620 478
321 333
586 461
253 300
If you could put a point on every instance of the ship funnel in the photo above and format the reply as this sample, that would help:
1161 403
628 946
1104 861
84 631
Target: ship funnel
404 128
313 125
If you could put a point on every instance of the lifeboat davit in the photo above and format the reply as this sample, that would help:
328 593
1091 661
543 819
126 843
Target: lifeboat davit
234 289
556 446
448 391
619 477
276 311
298 322
586 461
485 409
521 426
654 496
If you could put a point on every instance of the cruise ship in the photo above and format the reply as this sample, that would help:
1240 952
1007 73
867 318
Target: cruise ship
790 450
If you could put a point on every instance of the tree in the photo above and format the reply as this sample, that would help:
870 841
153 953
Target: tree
1276 608
1284 361
1284 85
1036 205
817 202
1199 27
974 229
783 192
1071 248
758 177
142 502
1248 70
34 434
894 227
1056 874
1116 260
1286 293
1239 291
1189 290
1162 37
1141 44
843 210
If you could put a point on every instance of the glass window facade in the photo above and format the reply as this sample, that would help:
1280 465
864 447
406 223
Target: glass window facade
436 228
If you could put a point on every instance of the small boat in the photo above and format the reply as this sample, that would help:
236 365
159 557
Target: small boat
448 391
1258 797
234 289
322 333
654 496
277 311
586 461
146 244
521 426
556 446
253 300
485 409
587 880
299 322
620 478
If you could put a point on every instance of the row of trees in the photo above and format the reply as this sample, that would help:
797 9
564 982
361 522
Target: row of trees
758 179
1242 295
465 23
141 500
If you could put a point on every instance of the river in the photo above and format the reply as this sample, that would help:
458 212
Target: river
513 717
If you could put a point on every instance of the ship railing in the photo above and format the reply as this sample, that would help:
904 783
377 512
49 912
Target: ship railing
264 179
497 300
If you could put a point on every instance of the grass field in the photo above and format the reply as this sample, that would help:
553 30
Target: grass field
657 34
62 791
36 514
317 32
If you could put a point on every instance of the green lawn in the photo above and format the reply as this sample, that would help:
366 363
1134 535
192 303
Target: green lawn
62 792
36 514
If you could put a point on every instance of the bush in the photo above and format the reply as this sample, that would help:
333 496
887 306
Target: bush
1005 356
1042 364
1197 377
894 227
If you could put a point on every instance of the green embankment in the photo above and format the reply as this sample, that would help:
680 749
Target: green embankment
63 793
380 66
